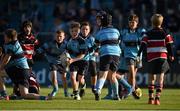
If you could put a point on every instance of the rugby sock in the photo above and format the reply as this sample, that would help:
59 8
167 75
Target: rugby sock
158 91
110 91
125 84
115 88
75 92
93 87
3 93
83 86
100 84
66 92
55 90
151 91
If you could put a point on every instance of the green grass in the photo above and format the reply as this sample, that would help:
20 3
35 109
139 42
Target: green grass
170 100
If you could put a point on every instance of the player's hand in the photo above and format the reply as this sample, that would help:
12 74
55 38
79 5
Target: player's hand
138 59
171 58
96 54
70 61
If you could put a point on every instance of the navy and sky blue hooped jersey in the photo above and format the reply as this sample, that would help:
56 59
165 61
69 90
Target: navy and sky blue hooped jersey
53 50
17 58
77 46
109 41
90 42
130 42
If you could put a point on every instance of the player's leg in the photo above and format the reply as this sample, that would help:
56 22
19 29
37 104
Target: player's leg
93 72
125 84
104 67
100 83
20 77
132 75
82 85
3 92
74 85
109 88
73 76
159 87
65 84
62 71
82 70
112 72
151 82
54 83
114 85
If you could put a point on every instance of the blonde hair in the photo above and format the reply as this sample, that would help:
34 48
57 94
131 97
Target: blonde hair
157 20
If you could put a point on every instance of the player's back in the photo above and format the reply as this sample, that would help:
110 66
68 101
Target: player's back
109 39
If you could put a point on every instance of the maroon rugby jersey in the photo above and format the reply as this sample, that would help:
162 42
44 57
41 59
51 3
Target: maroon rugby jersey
28 43
156 41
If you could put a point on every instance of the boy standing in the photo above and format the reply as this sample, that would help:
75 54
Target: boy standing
131 37
159 48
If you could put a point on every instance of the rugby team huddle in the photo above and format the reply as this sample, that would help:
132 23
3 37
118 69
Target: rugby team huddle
110 55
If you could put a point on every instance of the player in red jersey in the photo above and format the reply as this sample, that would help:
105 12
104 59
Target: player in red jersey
28 41
159 49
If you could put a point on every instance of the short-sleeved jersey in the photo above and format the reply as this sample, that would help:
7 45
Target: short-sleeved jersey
109 41
131 42
53 50
14 49
77 46
156 41
90 42
28 43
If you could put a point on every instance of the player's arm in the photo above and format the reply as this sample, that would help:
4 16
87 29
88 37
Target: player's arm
5 59
169 46
83 49
143 45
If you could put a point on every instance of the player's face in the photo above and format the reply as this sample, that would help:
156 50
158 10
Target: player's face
60 37
85 30
27 29
98 21
133 25
74 32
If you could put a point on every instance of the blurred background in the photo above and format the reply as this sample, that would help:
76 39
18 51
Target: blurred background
49 15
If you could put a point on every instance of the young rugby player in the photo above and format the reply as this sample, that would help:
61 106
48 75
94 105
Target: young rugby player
16 65
131 37
159 49
77 49
53 51
108 39
91 58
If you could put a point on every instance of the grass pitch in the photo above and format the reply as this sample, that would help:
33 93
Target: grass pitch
170 100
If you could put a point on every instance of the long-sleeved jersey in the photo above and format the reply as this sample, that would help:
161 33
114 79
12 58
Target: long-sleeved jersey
28 43
158 44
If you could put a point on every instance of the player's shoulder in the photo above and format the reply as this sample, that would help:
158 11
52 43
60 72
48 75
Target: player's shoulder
141 30
124 31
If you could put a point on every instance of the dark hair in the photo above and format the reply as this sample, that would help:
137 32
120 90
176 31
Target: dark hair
106 18
60 31
133 17
75 25
11 33
85 23
27 23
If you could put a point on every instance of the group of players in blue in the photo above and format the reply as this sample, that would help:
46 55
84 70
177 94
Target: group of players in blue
112 52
